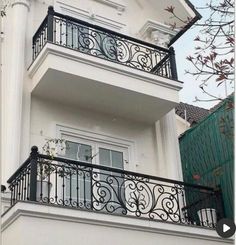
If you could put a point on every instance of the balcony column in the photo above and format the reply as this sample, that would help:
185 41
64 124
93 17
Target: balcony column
12 88
169 163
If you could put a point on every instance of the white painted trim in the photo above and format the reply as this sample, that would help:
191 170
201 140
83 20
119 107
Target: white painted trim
88 15
182 120
130 145
25 3
151 25
187 8
103 64
117 4
41 211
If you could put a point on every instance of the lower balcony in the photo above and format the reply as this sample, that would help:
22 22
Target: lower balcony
99 189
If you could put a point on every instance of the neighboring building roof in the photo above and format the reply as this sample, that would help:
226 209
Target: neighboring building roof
214 108
193 114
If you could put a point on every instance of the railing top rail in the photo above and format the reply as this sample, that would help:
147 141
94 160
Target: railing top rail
150 45
100 167
25 164
39 28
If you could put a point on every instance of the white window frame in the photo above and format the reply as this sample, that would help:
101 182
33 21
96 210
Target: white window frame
104 140
130 163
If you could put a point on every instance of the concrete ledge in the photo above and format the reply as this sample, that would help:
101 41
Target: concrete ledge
37 212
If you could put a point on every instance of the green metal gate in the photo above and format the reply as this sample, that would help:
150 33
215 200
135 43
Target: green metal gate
207 153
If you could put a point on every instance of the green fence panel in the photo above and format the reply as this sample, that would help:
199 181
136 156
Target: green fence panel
207 153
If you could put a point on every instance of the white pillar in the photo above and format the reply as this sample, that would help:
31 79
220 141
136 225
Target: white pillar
13 89
169 163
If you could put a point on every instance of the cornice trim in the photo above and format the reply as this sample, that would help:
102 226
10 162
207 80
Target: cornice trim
26 3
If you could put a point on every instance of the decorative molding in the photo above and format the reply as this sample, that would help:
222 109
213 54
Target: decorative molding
157 33
59 214
88 15
52 49
117 4
160 38
22 2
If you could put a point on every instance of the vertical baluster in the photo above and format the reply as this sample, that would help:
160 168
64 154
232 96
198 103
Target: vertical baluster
33 50
25 179
183 192
28 183
177 188
70 199
13 193
61 31
77 187
72 36
48 182
40 191
91 188
84 175
67 38
56 196
211 218
19 188
11 187
54 30
63 185
22 185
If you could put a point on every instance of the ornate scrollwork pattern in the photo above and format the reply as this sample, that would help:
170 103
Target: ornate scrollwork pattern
102 43
86 186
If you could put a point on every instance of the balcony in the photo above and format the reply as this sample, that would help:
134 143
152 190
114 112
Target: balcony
136 79
99 189
105 44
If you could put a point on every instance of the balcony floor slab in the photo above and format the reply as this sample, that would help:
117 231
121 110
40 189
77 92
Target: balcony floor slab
54 225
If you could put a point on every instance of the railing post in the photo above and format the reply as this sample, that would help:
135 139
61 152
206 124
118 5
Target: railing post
50 24
219 204
33 173
173 64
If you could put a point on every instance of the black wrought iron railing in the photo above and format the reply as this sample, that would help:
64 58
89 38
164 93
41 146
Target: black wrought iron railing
94 40
85 186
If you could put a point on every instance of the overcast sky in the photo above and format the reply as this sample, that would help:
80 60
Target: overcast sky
184 47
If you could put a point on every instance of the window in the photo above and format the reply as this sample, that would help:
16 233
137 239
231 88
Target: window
116 190
78 183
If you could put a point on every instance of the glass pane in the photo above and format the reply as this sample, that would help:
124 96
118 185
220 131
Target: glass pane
104 157
78 151
117 159
84 153
71 150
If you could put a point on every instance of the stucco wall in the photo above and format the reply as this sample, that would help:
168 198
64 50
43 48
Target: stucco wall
181 125
45 115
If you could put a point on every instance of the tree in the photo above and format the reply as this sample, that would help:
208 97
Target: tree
213 59
3 6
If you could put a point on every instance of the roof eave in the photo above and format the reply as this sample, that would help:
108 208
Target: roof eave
189 25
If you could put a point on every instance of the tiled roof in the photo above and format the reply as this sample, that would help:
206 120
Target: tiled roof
194 114
214 108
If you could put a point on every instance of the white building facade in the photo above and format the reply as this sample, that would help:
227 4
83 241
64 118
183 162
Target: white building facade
100 75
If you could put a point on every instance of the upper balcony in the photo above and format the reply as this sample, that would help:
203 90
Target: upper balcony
102 69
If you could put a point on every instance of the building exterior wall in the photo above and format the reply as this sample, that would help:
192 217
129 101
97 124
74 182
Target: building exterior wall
181 124
22 20
46 115
29 120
